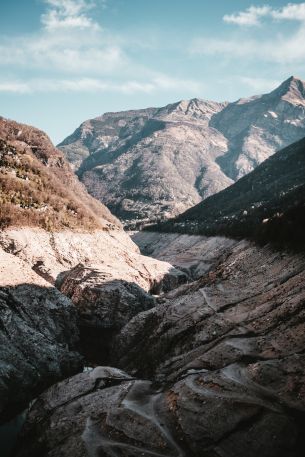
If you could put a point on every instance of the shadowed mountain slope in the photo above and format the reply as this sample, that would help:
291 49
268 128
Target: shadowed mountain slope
268 204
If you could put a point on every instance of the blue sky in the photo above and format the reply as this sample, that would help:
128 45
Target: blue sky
64 61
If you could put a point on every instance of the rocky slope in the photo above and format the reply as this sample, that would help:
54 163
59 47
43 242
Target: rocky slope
267 205
225 355
38 187
258 126
156 163
50 232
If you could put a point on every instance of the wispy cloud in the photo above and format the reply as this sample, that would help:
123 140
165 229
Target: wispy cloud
68 14
80 55
285 47
252 16
159 82
249 17
69 42
14 87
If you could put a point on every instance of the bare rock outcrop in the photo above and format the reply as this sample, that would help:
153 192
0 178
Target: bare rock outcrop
112 252
225 355
194 255
106 412
38 335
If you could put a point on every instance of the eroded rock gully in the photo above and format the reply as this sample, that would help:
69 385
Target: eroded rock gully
215 369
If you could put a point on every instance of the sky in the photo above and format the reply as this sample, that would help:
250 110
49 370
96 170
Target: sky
65 61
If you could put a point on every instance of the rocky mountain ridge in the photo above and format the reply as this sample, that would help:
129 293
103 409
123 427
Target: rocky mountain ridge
155 163
266 205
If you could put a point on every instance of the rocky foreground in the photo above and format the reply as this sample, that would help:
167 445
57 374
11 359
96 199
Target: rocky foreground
108 282
215 369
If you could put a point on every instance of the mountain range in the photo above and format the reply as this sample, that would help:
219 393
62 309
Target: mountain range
155 163
267 205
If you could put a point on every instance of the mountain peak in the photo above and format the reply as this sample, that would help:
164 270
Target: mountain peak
291 90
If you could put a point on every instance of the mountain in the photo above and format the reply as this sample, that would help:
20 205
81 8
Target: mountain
152 164
38 187
147 163
268 204
258 126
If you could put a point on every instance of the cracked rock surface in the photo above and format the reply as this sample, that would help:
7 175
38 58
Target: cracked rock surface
38 333
215 369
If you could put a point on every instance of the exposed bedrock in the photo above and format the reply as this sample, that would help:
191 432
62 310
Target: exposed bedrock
224 413
105 304
194 255
38 336
225 361
103 273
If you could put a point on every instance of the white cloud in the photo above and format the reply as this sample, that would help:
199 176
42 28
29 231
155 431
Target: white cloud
14 87
252 16
71 53
249 17
292 11
159 82
69 42
282 49
68 14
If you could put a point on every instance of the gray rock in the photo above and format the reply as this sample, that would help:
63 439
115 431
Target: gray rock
103 302
38 334
226 357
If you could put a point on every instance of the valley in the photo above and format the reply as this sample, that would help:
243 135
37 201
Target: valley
183 339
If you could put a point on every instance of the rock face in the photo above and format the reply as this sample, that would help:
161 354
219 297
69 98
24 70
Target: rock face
226 357
38 336
194 255
112 253
101 303
258 126
266 205
156 163
102 272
